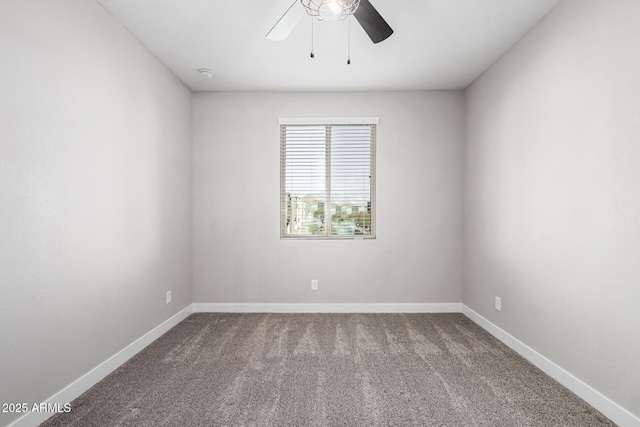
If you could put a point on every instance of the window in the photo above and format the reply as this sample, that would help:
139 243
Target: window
327 178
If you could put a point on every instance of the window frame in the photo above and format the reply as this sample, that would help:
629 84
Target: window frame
328 122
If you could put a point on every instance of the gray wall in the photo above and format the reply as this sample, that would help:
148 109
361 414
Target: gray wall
95 193
552 206
238 255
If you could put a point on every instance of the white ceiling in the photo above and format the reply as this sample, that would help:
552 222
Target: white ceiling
437 44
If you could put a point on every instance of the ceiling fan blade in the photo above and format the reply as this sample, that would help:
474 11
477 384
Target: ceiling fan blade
373 24
287 23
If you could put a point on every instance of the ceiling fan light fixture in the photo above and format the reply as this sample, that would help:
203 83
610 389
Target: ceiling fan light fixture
330 10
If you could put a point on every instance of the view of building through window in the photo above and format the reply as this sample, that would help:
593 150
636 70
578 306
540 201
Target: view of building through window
328 180
306 215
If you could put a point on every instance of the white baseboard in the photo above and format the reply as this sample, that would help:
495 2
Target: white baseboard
327 308
609 408
91 378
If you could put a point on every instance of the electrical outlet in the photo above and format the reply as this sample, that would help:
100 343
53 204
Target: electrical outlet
498 304
168 297
314 285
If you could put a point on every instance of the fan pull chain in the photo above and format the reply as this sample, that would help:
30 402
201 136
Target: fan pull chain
312 54
349 42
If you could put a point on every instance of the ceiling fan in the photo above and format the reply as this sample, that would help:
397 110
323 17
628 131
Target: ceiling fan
332 10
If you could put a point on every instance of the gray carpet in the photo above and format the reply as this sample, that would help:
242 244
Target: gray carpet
328 370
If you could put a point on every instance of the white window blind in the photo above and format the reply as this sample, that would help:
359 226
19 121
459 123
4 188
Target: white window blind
327 180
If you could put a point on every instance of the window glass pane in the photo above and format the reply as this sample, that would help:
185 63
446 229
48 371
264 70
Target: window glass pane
351 180
305 180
